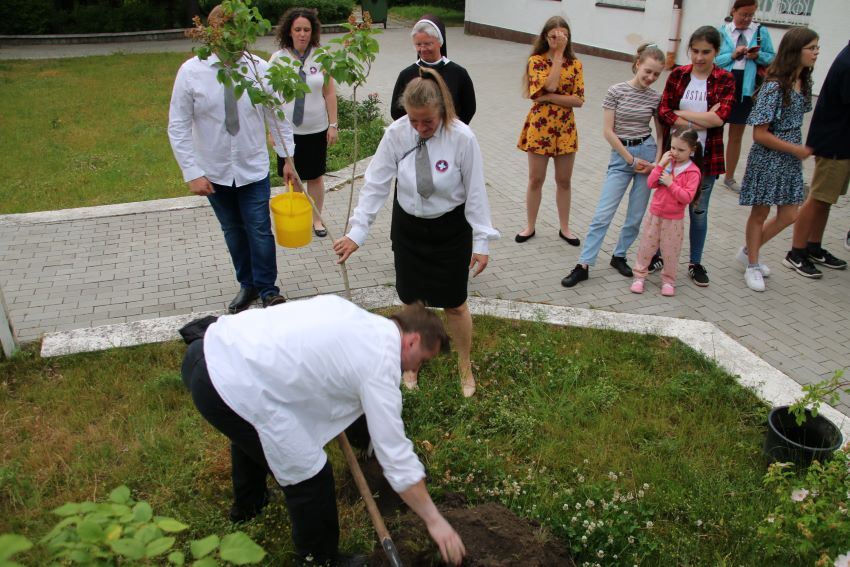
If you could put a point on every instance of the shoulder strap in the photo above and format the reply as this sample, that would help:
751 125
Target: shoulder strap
758 35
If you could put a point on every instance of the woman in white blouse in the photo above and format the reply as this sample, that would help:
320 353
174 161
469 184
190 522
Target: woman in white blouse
441 216
313 117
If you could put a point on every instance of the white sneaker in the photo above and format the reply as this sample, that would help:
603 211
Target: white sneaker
754 279
732 185
742 259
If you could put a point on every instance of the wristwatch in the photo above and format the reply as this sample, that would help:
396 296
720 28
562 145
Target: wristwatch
333 125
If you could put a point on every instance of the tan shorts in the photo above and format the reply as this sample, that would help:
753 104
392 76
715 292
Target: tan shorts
832 176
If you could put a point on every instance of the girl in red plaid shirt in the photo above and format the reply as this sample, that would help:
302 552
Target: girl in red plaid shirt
700 96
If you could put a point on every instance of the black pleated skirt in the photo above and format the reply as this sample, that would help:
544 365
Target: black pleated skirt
431 257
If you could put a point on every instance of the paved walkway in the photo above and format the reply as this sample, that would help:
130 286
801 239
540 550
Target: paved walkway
113 265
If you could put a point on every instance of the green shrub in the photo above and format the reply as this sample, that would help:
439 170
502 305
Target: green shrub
25 16
330 11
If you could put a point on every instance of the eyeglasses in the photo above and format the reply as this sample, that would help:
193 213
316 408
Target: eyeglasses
813 48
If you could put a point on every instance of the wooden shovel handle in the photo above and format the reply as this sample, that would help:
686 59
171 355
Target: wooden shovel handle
363 487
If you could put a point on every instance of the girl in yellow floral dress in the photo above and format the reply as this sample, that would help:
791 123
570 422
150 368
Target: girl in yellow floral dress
554 81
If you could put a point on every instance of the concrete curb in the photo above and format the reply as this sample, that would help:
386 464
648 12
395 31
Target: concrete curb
753 373
333 182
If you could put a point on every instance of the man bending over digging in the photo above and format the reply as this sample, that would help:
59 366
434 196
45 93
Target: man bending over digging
282 382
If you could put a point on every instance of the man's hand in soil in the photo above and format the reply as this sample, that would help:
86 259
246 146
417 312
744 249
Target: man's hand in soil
443 534
448 540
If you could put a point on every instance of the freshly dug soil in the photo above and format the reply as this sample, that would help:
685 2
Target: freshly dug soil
492 534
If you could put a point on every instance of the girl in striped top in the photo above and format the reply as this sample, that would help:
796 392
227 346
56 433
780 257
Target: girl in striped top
629 107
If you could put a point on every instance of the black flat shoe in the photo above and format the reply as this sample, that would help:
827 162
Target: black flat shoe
619 263
243 299
579 274
570 241
523 237
320 232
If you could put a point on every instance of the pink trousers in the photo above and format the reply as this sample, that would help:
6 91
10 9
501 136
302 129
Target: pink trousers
666 234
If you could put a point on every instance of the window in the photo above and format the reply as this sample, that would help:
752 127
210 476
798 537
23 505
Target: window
786 12
630 4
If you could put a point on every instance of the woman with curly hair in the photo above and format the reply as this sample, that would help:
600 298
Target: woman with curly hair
313 116
554 81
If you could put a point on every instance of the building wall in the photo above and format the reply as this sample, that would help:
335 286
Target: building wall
617 31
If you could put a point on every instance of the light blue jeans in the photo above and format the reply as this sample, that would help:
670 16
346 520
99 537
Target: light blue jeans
620 175
699 219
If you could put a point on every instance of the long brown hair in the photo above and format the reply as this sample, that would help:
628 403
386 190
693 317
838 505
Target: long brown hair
784 67
691 138
541 45
429 89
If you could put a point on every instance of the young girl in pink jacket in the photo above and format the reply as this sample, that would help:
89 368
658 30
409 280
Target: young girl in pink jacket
676 181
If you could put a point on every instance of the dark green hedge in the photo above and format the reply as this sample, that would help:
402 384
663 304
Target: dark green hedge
26 17
330 11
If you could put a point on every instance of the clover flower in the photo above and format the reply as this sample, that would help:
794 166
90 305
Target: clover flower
799 495
843 560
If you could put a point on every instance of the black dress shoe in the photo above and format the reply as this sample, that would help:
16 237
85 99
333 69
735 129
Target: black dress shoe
570 241
320 232
238 515
523 237
619 263
243 299
579 274
273 299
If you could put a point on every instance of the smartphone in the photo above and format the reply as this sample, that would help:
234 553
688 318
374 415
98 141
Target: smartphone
753 49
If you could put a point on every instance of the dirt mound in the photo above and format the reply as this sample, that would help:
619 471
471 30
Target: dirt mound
492 534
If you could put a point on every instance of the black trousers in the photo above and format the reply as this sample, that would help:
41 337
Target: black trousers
311 503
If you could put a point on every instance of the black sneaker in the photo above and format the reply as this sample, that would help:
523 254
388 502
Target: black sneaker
698 274
579 274
619 263
824 258
656 264
802 266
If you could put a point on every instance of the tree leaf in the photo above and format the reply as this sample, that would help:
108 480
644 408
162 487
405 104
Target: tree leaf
159 546
129 548
147 533
90 531
68 509
11 544
176 558
142 512
170 525
120 495
203 547
113 532
240 549
205 562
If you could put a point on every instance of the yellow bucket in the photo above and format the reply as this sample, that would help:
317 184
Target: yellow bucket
293 219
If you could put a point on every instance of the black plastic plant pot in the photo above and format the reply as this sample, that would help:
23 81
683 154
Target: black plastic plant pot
816 439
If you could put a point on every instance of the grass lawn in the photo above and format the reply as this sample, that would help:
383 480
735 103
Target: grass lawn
633 442
94 128
414 13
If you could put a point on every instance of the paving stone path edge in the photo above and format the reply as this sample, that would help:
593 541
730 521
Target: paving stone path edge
768 383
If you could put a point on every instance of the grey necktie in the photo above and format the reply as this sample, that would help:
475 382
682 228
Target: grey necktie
231 114
742 39
424 181
298 111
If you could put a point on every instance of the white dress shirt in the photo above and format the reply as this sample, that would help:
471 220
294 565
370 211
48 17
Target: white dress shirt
199 139
302 372
734 32
457 171
315 109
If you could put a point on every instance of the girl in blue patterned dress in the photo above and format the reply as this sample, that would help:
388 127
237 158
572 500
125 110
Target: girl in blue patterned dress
774 173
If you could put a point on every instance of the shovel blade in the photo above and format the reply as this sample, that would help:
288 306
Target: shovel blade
392 552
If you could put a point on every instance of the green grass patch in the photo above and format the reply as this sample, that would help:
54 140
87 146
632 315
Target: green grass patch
635 443
93 131
414 13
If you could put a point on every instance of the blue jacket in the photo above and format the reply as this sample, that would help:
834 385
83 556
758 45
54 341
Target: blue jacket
727 49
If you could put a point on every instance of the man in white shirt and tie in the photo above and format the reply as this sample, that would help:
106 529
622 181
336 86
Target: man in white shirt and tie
219 143
281 383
